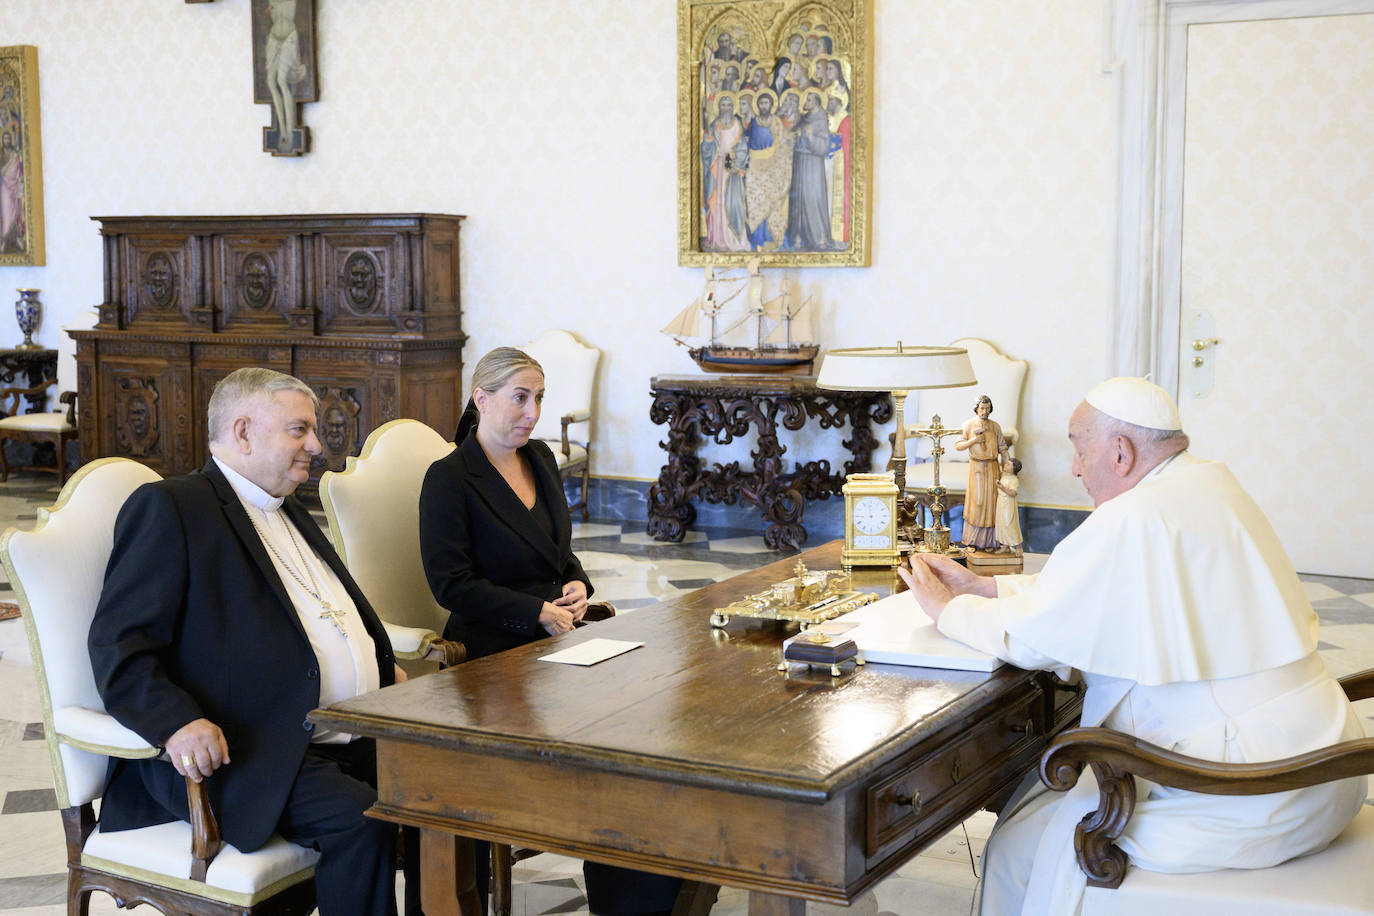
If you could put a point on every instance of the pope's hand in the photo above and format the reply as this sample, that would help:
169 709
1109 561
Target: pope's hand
197 749
931 594
957 577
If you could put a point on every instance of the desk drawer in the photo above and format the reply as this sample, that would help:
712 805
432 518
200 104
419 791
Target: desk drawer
912 797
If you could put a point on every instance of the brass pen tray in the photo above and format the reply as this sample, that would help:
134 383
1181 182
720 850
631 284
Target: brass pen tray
809 597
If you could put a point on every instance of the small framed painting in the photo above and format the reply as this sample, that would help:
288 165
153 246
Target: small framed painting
21 159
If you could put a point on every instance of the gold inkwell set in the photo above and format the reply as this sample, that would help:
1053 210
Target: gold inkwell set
809 597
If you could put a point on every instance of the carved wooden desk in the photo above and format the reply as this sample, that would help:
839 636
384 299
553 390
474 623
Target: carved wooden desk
726 406
695 756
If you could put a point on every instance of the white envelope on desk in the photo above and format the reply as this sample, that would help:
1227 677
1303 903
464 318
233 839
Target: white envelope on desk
895 631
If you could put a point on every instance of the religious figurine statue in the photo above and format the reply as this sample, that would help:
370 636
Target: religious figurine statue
1008 522
982 438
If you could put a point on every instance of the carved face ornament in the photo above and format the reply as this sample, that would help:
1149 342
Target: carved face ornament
157 280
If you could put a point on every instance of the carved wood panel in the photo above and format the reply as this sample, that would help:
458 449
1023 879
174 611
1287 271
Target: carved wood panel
259 280
364 308
338 425
160 280
364 280
138 405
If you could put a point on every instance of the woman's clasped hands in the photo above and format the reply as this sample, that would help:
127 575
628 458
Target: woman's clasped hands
561 614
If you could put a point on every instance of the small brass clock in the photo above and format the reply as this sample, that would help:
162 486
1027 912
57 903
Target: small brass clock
870 521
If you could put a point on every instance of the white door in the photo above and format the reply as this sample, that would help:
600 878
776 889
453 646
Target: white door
1278 247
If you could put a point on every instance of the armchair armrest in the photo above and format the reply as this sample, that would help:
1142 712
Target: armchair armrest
100 733
12 399
576 416
69 398
1117 758
1359 686
420 643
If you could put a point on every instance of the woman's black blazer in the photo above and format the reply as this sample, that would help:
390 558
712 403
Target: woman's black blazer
486 559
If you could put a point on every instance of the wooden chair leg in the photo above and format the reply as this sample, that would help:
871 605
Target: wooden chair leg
4 465
78 897
61 461
501 864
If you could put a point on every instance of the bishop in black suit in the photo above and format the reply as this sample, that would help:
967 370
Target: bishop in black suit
225 618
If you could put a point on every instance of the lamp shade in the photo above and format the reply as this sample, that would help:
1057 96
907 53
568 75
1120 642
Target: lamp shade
896 368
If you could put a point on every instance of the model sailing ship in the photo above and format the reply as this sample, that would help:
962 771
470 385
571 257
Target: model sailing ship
783 333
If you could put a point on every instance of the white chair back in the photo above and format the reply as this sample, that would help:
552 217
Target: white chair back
569 377
373 508
57 570
999 377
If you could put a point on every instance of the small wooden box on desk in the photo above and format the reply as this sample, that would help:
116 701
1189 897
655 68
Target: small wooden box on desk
364 308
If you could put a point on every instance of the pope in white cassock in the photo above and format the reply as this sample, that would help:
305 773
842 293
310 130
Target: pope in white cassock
1177 603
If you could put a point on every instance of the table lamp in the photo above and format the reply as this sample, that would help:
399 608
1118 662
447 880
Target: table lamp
898 370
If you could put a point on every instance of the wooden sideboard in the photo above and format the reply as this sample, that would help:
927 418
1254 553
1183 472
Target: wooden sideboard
364 308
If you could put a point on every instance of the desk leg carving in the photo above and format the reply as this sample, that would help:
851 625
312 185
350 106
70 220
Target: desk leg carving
761 904
448 875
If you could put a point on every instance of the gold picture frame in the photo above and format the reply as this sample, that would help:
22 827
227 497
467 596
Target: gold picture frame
775 145
21 159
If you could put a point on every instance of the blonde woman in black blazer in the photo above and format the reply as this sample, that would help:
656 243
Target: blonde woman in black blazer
495 536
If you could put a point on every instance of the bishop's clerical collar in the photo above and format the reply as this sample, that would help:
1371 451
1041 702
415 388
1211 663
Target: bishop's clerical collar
248 491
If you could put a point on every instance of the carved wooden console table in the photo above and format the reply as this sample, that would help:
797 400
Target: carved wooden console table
364 308
725 407
28 369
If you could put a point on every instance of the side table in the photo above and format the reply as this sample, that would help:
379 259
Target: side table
36 367
727 406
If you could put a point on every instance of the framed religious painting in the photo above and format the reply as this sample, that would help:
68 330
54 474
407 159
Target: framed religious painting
774 132
21 158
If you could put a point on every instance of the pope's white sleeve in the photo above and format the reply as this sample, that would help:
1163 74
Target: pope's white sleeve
978 622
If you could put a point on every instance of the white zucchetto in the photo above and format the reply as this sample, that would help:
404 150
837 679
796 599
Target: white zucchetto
1136 401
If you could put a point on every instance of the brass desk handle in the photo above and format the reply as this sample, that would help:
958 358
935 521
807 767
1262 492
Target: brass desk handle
912 801
1026 729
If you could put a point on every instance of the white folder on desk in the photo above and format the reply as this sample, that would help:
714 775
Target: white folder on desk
895 631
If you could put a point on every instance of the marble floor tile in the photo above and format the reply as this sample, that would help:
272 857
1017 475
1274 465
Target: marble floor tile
1318 591
644 539
32 844
740 545
592 530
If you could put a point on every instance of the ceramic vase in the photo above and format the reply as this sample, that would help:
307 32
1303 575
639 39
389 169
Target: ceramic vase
28 311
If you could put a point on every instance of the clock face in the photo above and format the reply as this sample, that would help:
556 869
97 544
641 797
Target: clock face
871 515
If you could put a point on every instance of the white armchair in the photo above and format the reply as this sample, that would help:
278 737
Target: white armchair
57 570
565 424
373 508
1335 881
1001 378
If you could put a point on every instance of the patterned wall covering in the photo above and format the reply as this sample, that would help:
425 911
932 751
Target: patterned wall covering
1278 243
551 126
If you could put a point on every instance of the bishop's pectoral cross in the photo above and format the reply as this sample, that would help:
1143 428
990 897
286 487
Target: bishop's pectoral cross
335 616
